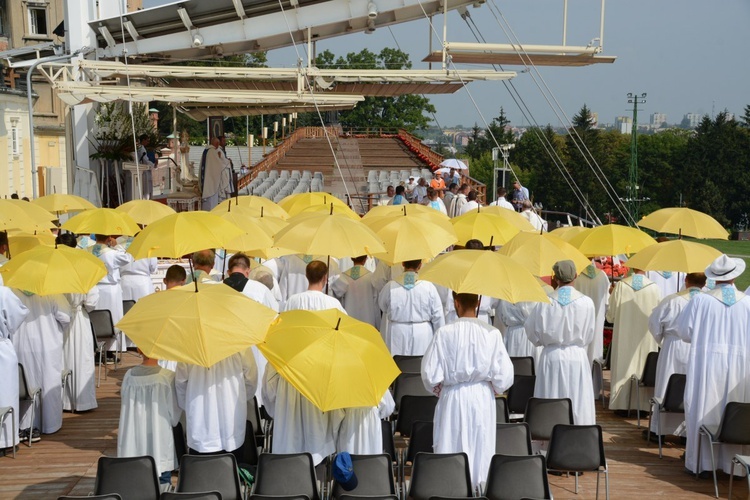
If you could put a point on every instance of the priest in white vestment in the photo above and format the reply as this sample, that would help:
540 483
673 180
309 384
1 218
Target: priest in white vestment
630 305
675 352
360 431
565 328
668 282
39 347
414 312
203 267
356 292
148 411
216 176
510 319
594 283
715 324
110 289
466 366
12 314
215 402
136 278
313 298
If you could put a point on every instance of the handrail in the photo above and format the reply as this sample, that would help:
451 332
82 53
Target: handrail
425 153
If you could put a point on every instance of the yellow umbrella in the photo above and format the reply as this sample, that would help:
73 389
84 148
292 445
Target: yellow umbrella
331 208
23 216
328 234
332 359
510 215
685 222
409 237
199 327
22 241
255 204
102 221
295 203
567 233
677 255
145 212
484 273
611 239
63 203
255 234
539 252
181 234
46 270
388 212
490 229
272 225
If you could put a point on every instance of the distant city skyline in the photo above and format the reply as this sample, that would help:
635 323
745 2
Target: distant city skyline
687 55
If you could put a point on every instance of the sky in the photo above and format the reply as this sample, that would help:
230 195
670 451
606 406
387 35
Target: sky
688 56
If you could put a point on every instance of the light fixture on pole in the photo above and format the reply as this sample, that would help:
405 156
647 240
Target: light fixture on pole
283 128
265 136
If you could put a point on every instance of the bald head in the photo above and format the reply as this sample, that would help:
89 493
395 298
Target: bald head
204 260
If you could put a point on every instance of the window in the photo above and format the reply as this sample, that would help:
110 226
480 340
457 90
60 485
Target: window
15 146
38 20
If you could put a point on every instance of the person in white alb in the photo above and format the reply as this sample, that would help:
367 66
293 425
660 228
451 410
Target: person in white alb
12 314
466 366
355 289
564 328
502 201
136 277
313 299
594 283
715 323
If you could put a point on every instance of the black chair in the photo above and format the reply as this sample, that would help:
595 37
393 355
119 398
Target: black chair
279 497
374 477
421 441
368 497
127 305
519 394
523 365
415 408
440 474
28 394
408 384
733 429
408 364
501 411
513 439
673 402
459 498
513 477
180 443
292 474
578 448
389 445
202 495
104 332
542 414
249 457
744 462
108 496
200 473
648 379
130 477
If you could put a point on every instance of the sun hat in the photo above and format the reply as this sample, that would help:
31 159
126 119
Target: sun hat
725 268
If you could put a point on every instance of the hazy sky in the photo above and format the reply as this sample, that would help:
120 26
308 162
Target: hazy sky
687 55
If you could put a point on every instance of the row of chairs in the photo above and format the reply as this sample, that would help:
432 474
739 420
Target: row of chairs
26 395
396 176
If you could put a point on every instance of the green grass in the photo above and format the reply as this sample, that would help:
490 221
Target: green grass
735 248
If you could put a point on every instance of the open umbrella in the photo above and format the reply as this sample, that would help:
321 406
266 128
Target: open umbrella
102 221
567 233
385 212
539 252
63 203
676 255
199 327
684 222
454 163
295 203
181 234
257 204
19 216
611 239
484 273
20 241
47 270
409 237
511 216
337 209
145 212
490 229
332 359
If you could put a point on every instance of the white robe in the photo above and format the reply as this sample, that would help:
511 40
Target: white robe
510 319
148 411
357 294
298 425
215 401
456 204
597 289
467 207
535 220
39 343
360 432
12 315
629 310
565 327
292 278
110 287
413 315
718 369
668 282
78 352
260 293
136 279
466 365
487 306
312 300
502 202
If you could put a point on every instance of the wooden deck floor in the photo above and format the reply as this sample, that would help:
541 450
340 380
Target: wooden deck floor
65 463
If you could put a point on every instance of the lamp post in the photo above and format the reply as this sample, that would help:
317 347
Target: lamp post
265 136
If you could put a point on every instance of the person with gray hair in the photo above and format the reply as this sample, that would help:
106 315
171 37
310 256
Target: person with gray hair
564 328
203 264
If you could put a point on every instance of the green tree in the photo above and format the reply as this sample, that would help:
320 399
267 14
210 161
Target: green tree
746 117
497 130
545 182
473 149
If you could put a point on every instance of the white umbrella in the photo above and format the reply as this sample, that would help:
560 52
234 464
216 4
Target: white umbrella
454 163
